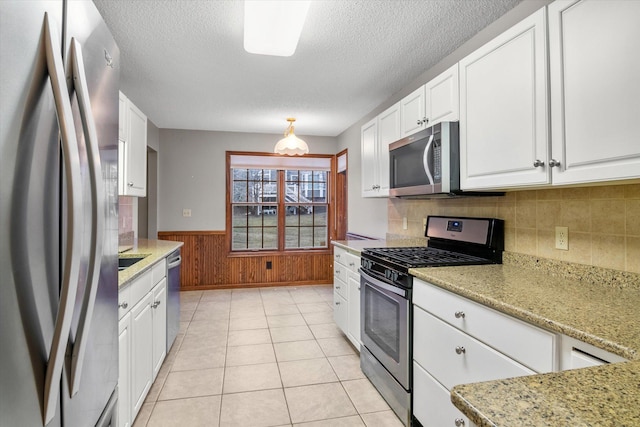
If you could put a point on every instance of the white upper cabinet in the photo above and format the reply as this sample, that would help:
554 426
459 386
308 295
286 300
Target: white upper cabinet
436 101
595 94
388 132
442 98
376 135
369 141
503 110
413 117
132 155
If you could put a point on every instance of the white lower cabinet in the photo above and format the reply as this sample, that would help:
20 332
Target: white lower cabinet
141 344
432 402
575 354
142 339
346 294
457 341
124 378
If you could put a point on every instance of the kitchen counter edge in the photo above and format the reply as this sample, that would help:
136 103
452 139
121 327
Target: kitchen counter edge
152 250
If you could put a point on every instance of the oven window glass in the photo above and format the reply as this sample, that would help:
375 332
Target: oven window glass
382 321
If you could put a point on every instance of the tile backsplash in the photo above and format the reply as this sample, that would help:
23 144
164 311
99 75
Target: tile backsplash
125 221
603 222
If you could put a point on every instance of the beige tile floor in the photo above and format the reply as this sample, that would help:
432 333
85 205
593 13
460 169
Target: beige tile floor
262 357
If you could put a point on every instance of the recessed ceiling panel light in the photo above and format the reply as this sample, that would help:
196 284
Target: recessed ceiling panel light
273 27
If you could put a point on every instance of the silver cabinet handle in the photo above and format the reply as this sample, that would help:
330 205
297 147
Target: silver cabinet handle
460 350
351 264
459 422
338 256
337 271
71 269
123 305
459 314
155 304
419 122
553 163
337 287
97 213
425 120
538 163
337 302
130 183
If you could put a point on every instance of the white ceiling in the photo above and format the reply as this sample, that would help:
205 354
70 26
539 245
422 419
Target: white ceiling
184 65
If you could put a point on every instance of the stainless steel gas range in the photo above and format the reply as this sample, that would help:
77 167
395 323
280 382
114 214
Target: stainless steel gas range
385 297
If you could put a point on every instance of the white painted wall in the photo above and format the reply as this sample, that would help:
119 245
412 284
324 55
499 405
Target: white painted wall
369 216
192 173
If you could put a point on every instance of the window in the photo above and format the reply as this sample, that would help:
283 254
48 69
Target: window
278 203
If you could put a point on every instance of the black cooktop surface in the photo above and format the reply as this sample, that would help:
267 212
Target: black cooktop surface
422 256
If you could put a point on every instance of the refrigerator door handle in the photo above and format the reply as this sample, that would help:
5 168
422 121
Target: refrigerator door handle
71 268
79 85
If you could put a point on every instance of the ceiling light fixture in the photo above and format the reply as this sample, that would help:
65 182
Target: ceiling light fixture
273 27
291 145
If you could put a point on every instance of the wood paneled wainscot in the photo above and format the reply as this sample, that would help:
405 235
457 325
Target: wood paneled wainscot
206 264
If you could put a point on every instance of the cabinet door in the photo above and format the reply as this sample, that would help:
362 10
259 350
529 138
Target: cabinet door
503 110
340 312
141 350
353 318
123 125
432 402
388 132
124 375
369 166
159 306
136 154
594 90
412 113
442 98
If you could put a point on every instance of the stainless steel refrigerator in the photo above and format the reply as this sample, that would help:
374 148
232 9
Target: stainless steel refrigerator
59 79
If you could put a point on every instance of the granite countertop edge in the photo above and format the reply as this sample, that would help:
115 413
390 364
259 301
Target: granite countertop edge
152 250
602 395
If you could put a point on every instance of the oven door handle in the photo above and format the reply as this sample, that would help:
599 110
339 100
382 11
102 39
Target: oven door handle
382 285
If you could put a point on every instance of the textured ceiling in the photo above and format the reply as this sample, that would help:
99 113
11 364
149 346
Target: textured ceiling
184 65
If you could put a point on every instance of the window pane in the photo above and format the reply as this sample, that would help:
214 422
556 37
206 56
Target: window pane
291 238
320 192
239 174
239 238
292 217
306 237
270 192
320 176
240 191
320 237
306 215
254 238
271 238
240 214
320 215
270 216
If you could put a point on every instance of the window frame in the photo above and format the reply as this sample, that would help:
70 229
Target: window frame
281 206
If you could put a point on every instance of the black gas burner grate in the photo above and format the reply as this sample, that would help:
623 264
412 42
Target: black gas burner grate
421 256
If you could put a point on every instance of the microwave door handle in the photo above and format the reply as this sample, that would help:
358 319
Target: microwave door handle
425 159
79 85
71 267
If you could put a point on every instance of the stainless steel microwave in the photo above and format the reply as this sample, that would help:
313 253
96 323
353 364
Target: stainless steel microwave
427 164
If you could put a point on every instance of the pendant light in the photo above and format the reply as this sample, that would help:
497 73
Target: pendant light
291 145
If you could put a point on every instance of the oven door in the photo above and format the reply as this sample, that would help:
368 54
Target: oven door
384 314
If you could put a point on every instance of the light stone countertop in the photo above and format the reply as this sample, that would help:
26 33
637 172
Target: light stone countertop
593 305
152 251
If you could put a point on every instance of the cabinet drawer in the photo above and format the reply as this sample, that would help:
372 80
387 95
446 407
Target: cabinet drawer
340 287
159 271
432 402
525 343
140 287
340 272
453 357
352 262
339 255
124 301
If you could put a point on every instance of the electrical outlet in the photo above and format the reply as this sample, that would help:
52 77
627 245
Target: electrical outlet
405 224
424 224
562 238
186 212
